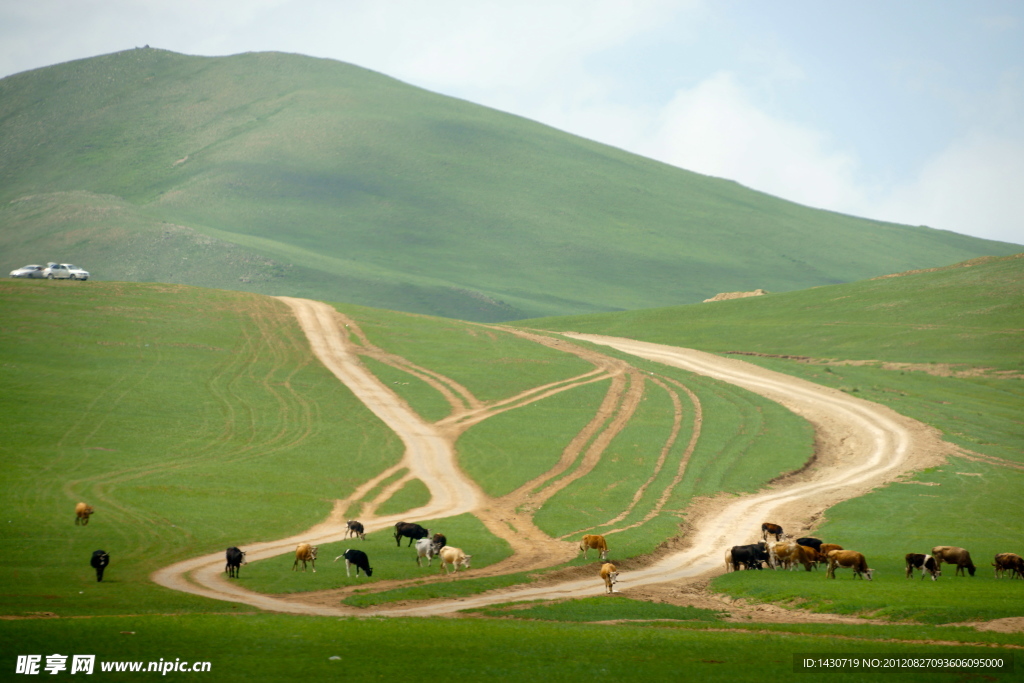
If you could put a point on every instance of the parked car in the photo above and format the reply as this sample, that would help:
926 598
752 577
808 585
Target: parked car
67 271
29 271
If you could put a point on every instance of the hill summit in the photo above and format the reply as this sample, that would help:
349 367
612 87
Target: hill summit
285 174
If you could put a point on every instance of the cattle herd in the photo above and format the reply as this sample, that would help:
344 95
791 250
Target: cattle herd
785 554
809 552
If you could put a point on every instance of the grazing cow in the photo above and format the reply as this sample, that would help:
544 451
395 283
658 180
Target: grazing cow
769 529
355 528
851 559
235 559
304 553
454 557
826 548
751 555
926 564
788 554
357 558
610 576
413 532
596 542
425 548
100 560
811 543
82 512
951 554
1009 561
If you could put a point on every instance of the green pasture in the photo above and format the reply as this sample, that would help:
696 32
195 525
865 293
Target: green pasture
389 560
962 503
270 647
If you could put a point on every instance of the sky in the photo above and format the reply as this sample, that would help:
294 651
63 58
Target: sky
909 111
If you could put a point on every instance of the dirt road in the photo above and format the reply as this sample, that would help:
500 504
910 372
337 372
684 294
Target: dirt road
859 445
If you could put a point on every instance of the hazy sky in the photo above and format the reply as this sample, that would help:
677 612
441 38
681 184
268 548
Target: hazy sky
908 110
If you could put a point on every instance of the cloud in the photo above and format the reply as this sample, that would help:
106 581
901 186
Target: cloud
972 187
717 129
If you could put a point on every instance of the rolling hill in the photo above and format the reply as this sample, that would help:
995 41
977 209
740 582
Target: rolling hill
284 174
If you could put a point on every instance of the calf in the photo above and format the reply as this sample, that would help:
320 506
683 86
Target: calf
235 559
413 532
425 548
610 576
357 558
769 529
355 528
926 564
454 557
851 559
950 554
595 542
304 553
82 513
100 560
751 555
1012 562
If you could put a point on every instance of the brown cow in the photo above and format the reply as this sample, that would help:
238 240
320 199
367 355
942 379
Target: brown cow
82 512
610 576
1009 561
769 529
848 558
593 541
790 553
304 553
950 554
925 563
825 548
355 528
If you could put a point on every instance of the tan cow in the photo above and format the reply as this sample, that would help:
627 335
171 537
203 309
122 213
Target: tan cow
788 554
1011 562
82 512
304 553
454 557
848 558
596 542
826 548
610 576
728 560
950 554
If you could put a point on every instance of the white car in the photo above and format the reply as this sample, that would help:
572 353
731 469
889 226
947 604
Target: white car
67 271
29 271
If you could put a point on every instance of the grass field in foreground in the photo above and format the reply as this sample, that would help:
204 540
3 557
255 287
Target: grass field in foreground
276 647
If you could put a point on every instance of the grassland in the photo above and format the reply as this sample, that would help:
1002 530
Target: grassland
284 174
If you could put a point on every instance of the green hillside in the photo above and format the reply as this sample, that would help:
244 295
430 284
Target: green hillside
284 174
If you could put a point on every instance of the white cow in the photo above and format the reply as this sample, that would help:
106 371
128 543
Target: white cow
425 548
454 557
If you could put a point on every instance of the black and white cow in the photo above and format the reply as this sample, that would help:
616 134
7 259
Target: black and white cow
355 528
100 560
751 555
235 559
413 532
926 564
357 558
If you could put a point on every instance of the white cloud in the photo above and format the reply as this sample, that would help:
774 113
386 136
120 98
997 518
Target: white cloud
972 187
716 128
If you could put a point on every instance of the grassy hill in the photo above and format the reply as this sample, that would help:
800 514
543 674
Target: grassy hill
284 174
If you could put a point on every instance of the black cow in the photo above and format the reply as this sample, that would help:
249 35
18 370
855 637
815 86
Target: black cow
357 558
926 564
99 562
769 529
355 528
751 555
235 559
438 541
414 532
811 543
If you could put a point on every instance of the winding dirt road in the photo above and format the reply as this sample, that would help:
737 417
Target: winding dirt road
859 445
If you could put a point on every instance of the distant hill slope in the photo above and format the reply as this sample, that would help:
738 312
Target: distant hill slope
970 314
285 174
